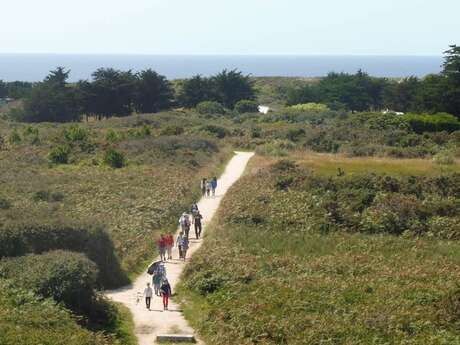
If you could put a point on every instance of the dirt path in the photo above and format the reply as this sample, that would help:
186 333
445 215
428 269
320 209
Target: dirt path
150 323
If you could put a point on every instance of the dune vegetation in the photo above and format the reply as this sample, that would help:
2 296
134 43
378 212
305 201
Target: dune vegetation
360 257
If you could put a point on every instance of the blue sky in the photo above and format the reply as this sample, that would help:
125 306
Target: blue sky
380 27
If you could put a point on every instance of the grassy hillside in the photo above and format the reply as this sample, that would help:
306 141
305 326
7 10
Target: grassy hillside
160 177
360 258
104 190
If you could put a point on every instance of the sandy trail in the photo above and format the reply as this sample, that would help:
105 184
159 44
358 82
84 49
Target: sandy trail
150 323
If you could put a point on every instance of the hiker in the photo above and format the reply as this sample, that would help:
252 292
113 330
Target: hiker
203 186
162 247
214 185
184 222
158 272
148 293
194 209
165 292
156 280
169 245
198 227
208 188
182 244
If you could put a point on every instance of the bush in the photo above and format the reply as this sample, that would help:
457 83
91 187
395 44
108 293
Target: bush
444 158
59 154
15 138
26 319
114 159
277 148
432 123
112 136
44 195
219 132
30 238
309 107
66 277
75 133
172 130
246 106
210 108
393 213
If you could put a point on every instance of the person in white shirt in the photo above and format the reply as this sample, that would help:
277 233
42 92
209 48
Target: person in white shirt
148 293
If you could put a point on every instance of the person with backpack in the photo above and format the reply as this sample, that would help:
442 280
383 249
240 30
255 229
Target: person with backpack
162 247
214 185
184 222
169 245
182 245
165 292
194 209
203 186
148 293
198 226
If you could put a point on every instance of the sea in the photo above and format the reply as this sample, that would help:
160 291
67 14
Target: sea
34 67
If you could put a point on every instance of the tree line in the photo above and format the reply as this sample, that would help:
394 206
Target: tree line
361 92
113 92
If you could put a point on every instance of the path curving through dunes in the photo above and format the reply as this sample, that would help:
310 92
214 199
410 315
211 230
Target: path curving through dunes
148 324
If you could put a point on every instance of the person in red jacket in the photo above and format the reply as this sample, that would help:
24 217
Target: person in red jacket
162 247
169 245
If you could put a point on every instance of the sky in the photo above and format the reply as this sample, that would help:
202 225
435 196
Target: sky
300 27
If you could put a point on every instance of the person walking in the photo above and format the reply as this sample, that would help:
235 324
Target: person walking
203 186
194 209
208 188
169 245
184 222
148 293
162 247
165 293
198 225
182 244
156 280
214 185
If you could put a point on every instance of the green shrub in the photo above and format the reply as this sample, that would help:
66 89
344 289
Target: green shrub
309 107
219 132
393 213
432 123
31 238
114 159
112 136
45 195
172 130
59 154
444 158
27 319
66 277
75 133
277 148
210 108
246 106
15 138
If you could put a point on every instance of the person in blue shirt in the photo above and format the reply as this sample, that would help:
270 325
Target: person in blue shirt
214 185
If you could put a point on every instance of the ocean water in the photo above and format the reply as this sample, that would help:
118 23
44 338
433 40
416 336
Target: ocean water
34 67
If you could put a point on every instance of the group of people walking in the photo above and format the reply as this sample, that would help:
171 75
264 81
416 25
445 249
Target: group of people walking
208 186
161 286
